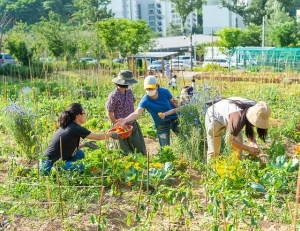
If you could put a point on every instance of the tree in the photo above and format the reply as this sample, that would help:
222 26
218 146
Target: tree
185 7
285 34
251 36
54 34
60 7
92 10
123 35
257 9
201 48
16 44
4 22
229 38
281 29
173 30
252 13
29 11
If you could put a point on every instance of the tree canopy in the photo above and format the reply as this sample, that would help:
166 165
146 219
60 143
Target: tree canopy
124 36
229 38
185 7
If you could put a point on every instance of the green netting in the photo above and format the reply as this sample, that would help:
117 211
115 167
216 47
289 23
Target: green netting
268 56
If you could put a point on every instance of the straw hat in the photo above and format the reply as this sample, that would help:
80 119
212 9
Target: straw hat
124 77
259 115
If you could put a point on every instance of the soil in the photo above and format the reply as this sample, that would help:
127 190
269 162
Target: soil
116 208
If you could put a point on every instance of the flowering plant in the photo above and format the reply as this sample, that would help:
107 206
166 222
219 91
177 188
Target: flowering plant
19 123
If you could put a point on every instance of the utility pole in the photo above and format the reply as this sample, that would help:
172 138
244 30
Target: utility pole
191 47
263 32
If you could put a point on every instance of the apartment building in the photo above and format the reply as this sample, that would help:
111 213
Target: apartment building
215 16
158 14
124 9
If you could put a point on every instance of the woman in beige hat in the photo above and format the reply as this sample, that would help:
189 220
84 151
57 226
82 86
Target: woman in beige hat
234 114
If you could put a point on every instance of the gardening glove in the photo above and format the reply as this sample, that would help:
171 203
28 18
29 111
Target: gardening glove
91 144
115 136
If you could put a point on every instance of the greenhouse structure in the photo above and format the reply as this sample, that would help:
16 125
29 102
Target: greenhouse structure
267 56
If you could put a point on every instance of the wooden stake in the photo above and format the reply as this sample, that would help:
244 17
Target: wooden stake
297 201
140 192
148 165
223 211
59 192
102 173
49 201
100 203
290 211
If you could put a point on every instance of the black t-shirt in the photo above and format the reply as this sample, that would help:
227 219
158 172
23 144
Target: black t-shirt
70 139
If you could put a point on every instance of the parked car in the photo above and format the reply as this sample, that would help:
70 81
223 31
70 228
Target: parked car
179 65
187 59
6 59
157 65
46 60
118 60
89 60
223 62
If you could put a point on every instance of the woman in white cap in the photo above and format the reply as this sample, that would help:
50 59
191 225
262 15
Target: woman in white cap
156 101
120 104
234 114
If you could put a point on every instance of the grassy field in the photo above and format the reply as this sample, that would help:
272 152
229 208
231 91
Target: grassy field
169 190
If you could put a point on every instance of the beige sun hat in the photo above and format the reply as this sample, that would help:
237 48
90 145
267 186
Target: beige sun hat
125 77
259 115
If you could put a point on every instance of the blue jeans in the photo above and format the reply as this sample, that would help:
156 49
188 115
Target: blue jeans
163 131
46 165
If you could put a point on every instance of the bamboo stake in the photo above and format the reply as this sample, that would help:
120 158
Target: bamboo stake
223 211
297 201
100 203
59 192
148 165
140 192
49 201
290 211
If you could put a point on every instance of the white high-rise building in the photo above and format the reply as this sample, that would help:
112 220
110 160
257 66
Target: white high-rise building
158 14
124 9
215 16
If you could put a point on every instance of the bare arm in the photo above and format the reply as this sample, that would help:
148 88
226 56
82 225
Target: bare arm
237 145
133 116
98 136
170 112
111 116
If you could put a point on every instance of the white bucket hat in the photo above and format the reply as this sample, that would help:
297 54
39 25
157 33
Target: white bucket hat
259 115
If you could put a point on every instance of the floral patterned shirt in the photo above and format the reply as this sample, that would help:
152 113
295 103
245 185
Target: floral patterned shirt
121 104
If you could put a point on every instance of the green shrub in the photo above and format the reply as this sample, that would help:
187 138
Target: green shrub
24 72
20 125
210 67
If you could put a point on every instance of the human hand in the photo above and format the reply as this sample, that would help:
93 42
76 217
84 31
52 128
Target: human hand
253 151
161 115
253 145
174 102
120 122
91 144
115 136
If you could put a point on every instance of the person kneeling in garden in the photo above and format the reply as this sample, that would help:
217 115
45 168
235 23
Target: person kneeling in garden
65 142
